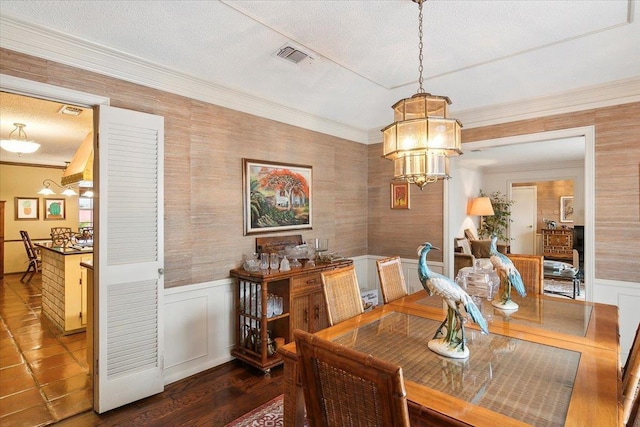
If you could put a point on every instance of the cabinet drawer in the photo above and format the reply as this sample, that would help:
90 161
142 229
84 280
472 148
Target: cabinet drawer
307 281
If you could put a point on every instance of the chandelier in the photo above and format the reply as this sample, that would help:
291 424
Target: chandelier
18 141
422 137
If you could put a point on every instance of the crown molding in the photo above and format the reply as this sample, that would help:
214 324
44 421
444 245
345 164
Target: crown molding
598 96
44 43
55 46
587 98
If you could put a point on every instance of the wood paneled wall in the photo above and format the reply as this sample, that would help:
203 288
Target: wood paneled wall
617 186
401 231
204 147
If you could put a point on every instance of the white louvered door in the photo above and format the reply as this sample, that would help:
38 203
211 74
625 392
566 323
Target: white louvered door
129 257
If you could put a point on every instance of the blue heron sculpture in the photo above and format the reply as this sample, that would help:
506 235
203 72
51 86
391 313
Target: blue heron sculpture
509 277
449 339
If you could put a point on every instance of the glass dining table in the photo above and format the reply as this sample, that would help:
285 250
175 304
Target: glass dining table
554 362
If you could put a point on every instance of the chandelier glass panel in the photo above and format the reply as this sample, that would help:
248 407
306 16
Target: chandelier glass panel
422 137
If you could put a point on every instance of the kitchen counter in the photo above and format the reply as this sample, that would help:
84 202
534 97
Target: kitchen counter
64 286
70 250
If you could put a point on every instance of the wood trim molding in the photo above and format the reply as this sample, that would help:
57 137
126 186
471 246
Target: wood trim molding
41 42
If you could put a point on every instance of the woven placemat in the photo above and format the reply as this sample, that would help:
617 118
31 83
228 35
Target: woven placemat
523 380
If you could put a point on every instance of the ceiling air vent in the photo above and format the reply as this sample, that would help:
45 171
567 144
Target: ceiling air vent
73 111
292 54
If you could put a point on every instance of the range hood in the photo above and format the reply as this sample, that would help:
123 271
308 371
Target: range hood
81 166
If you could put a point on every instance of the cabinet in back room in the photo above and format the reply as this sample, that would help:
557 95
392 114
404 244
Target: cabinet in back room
557 244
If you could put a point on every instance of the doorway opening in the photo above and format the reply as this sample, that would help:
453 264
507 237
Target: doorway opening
61 96
523 147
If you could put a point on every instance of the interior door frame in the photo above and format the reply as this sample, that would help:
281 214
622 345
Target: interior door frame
35 89
589 135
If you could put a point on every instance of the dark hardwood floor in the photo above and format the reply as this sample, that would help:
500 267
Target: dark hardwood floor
211 398
32 398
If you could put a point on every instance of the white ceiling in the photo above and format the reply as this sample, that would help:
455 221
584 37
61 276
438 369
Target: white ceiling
482 54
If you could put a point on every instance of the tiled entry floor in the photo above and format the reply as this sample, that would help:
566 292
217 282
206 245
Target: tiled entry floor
43 374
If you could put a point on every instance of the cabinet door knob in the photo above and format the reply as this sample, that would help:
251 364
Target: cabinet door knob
160 271
317 311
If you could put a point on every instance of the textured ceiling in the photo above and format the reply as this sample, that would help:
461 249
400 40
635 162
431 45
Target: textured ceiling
365 53
59 134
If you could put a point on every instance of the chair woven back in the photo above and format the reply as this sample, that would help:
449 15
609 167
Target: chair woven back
531 269
391 278
343 387
630 382
342 294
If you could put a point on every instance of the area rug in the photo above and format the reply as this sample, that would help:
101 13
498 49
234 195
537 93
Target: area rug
552 287
266 415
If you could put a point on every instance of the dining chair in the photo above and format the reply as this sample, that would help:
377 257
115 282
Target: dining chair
630 383
341 294
33 257
391 278
344 387
531 269
60 235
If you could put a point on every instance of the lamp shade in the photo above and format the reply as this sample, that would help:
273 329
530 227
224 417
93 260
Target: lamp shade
481 206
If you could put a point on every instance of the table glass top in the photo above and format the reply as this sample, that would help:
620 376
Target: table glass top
523 380
546 313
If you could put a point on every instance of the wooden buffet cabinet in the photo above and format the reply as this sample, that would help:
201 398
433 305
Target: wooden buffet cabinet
303 308
557 244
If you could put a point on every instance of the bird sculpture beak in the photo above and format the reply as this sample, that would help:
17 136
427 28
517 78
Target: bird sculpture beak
435 248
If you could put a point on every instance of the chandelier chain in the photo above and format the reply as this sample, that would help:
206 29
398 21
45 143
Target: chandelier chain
420 67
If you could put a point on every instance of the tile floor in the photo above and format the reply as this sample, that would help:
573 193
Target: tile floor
43 374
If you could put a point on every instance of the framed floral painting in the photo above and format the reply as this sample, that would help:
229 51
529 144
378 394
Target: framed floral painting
277 196
400 195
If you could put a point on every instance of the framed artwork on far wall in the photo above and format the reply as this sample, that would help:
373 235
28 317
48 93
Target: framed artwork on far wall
400 195
277 196
54 209
566 209
27 208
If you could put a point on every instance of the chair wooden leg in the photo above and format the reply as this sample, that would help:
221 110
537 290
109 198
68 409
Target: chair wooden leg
31 270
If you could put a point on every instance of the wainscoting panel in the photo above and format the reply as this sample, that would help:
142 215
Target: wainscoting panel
626 295
199 318
198 328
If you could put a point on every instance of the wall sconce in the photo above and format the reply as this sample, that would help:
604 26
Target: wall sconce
47 191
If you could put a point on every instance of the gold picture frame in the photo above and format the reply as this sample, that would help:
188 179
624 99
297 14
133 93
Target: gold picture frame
277 196
27 208
400 196
55 209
